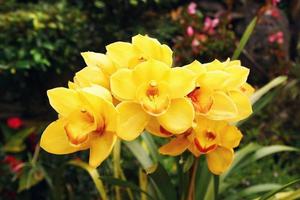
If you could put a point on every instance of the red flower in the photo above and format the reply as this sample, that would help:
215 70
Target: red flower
14 122
15 165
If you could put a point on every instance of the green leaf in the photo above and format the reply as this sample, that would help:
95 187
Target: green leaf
30 176
94 175
15 143
188 163
153 149
125 184
140 153
216 186
161 179
266 88
245 38
272 193
257 189
202 180
239 156
266 151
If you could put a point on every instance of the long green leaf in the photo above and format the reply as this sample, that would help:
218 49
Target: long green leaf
266 88
266 151
94 175
245 38
147 138
257 189
270 194
140 154
203 178
240 155
160 177
125 184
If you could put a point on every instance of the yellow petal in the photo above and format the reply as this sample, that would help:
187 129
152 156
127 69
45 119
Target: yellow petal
149 71
101 147
175 147
132 120
238 76
54 139
213 79
181 78
156 129
103 111
99 60
219 160
223 107
122 85
152 49
179 117
247 89
63 100
230 137
193 149
242 103
166 55
123 54
98 91
196 67
91 75
214 65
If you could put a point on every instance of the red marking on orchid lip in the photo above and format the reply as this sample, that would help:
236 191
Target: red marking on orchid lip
210 135
163 131
193 94
203 149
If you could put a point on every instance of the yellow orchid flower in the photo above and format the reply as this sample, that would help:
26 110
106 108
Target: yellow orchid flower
222 92
142 48
152 90
87 120
97 72
215 139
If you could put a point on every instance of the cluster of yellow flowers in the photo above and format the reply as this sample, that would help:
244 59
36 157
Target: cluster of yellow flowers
133 87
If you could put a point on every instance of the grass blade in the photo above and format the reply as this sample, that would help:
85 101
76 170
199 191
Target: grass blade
94 175
270 194
262 91
245 38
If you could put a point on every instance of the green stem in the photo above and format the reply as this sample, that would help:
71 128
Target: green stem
116 158
191 193
216 186
36 154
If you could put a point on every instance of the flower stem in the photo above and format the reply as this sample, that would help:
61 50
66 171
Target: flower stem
191 193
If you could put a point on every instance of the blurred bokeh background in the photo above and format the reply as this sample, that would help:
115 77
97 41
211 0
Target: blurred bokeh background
40 45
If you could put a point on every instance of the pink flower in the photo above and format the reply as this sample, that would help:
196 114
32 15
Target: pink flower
276 37
275 2
192 8
15 165
195 43
190 31
210 25
14 122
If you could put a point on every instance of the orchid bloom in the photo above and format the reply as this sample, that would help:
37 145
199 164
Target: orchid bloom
119 55
152 91
221 91
215 139
142 48
87 120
